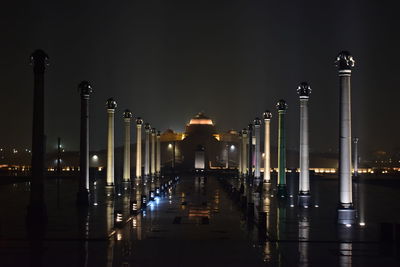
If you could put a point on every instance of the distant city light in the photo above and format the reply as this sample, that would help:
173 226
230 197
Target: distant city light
169 146
348 225
362 223
232 147
95 157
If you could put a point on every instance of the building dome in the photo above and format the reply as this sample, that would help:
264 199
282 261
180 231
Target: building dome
201 119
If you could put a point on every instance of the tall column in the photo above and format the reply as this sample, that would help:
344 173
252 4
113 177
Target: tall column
111 105
355 160
153 152
304 91
244 151
346 212
257 125
37 207
250 156
147 129
139 123
282 107
158 158
267 146
83 193
240 165
127 145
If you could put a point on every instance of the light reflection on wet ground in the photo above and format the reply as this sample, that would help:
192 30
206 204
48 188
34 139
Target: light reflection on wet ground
198 222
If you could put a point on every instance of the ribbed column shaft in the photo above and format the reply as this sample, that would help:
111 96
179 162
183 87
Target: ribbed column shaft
244 154
127 150
153 153
84 144
281 150
110 147
345 180
138 150
304 182
267 151
257 154
147 153
158 159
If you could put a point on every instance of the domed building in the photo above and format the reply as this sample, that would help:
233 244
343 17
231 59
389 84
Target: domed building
200 138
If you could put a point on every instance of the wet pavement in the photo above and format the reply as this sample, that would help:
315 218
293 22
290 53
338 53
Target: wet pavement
199 221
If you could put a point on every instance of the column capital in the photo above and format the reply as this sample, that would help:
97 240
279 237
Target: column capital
39 60
139 122
147 127
344 61
127 114
111 104
257 122
267 115
281 106
304 90
85 89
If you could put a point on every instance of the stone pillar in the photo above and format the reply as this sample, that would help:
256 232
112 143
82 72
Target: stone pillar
346 212
240 165
153 152
111 105
355 160
37 207
304 91
257 155
139 123
127 146
83 192
250 148
244 151
158 158
147 129
282 107
267 147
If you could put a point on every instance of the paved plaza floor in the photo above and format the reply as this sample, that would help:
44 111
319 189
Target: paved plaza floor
198 222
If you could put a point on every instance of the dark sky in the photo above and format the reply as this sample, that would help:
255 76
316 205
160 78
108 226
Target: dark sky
167 60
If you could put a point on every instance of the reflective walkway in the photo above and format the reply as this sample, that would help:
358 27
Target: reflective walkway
199 221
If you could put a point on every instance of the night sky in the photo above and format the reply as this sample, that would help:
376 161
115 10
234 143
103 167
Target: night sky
168 60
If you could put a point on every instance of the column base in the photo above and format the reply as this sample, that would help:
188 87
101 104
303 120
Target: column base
304 200
82 198
346 216
282 192
109 184
109 190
